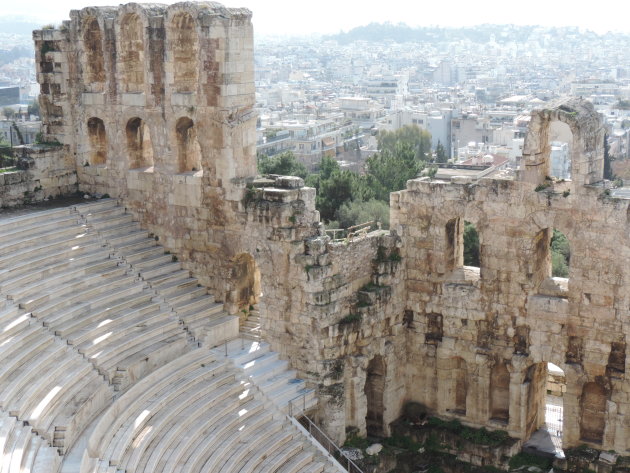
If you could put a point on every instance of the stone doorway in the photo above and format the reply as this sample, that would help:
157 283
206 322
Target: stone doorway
374 386
546 387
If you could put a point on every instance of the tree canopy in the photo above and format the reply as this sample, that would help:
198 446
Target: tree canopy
284 164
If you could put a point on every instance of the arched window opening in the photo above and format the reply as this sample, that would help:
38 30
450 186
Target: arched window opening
132 53
560 255
139 144
471 245
188 151
247 284
374 387
560 141
593 413
93 47
500 393
98 141
184 45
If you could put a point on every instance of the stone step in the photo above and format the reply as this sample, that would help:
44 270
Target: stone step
100 205
163 269
112 300
110 218
44 250
152 261
25 284
9 233
77 290
143 253
118 229
217 330
63 255
185 294
280 457
265 447
135 246
166 279
54 236
39 216
180 406
128 238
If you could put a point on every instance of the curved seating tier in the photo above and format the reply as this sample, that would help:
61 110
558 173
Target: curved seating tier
22 451
194 415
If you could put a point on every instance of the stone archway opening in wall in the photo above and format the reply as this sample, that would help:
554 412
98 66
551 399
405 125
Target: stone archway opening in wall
545 388
560 142
593 413
459 385
139 145
98 141
188 150
374 388
246 281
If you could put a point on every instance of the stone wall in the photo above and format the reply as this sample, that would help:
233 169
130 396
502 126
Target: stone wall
498 325
43 174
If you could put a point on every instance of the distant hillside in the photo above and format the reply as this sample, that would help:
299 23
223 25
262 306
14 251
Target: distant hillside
25 28
402 33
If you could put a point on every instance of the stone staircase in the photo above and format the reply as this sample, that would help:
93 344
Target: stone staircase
101 328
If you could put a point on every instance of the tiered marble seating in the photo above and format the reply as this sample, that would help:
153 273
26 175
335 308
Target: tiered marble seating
203 318
194 415
44 382
22 451
271 374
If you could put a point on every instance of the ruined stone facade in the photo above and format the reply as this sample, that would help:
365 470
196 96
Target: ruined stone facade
154 104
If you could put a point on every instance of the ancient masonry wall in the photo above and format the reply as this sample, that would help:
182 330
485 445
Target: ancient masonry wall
42 174
481 337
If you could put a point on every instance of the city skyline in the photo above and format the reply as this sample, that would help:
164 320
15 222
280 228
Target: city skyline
283 17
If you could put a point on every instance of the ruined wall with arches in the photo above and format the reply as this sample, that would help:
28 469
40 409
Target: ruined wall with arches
509 319
154 104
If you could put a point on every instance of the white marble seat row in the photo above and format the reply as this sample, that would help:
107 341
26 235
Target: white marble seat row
22 451
45 383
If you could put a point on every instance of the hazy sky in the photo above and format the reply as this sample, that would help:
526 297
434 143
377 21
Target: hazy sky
330 16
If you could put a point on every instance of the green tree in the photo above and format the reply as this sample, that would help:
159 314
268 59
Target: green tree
391 169
412 135
560 255
356 212
284 164
8 113
440 153
334 191
471 245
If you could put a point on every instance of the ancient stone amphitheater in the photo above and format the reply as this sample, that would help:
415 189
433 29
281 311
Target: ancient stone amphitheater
106 360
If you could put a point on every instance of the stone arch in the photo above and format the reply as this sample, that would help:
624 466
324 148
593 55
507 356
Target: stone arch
93 48
593 413
131 58
374 389
184 44
188 150
586 153
98 141
246 281
139 145
500 393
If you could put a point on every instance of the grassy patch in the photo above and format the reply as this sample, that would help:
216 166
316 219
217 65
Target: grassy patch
481 436
527 459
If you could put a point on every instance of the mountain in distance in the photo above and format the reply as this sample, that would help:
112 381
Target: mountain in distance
402 33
